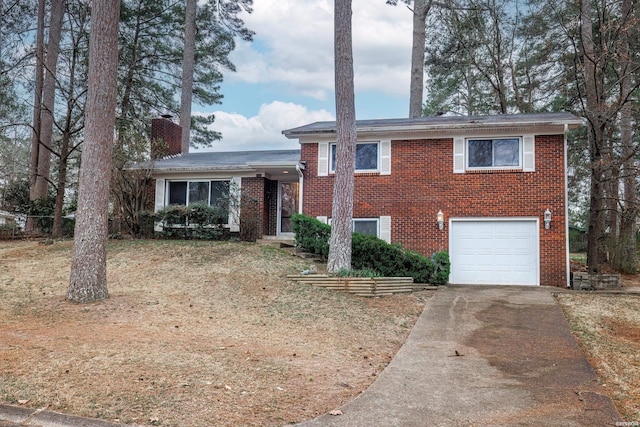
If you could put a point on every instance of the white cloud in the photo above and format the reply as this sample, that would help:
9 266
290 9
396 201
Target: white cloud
263 131
293 47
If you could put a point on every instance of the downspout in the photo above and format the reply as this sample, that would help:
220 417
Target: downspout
299 169
566 203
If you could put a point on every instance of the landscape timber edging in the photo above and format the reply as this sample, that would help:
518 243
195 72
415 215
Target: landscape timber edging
362 286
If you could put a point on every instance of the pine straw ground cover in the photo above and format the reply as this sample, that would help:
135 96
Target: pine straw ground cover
193 334
608 329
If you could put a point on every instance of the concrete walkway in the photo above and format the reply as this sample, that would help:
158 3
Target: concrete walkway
484 356
477 356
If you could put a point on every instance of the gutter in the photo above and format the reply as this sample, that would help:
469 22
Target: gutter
404 128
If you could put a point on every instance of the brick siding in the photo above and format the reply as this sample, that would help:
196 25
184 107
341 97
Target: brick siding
422 182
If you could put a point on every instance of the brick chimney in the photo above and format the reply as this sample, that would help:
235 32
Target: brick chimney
166 137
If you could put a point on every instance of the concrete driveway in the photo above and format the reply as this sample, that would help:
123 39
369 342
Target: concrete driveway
484 356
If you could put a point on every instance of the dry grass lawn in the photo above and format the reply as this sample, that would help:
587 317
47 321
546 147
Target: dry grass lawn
608 329
193 334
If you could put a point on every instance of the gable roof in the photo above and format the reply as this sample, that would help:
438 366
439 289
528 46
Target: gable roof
441 123
226 160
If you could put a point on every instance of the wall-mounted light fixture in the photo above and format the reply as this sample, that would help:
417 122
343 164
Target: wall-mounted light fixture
440 220
547 219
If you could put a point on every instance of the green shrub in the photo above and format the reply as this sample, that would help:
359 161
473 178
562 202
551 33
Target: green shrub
441 268
368 253
196 221
389 259
311 235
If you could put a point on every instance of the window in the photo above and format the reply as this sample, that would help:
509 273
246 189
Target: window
366 157
366 226
379 227
198 192
493 153
178 193
214 193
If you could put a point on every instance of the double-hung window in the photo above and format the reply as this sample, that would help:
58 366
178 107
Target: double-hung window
367 157
488 154
494 153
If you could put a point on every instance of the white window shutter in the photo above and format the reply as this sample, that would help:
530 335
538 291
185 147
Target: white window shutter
528 153
323 219
385 157
235 192
458 155
323 159
160 191
385 228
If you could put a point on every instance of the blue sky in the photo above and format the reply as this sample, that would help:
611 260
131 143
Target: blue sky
285 77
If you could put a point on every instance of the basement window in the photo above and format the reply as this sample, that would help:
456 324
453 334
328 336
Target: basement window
366 226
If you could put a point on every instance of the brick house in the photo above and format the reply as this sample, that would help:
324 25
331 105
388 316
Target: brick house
478 187
269 178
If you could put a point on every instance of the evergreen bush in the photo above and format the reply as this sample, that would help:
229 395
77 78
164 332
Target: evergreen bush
372 254
196 221
311 235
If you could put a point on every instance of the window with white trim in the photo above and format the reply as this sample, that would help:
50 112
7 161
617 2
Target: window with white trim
213 193
494 153
502 153
367 157
379 227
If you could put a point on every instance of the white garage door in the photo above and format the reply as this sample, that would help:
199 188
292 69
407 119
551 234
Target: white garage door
494 252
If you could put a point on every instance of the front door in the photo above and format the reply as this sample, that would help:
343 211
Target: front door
287 205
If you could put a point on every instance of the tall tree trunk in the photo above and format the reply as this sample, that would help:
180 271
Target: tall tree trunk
497 52
48 99
421 10
1 64
64 149
88 278
187 73
37 103
342 210
62 185
628 258
595 129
